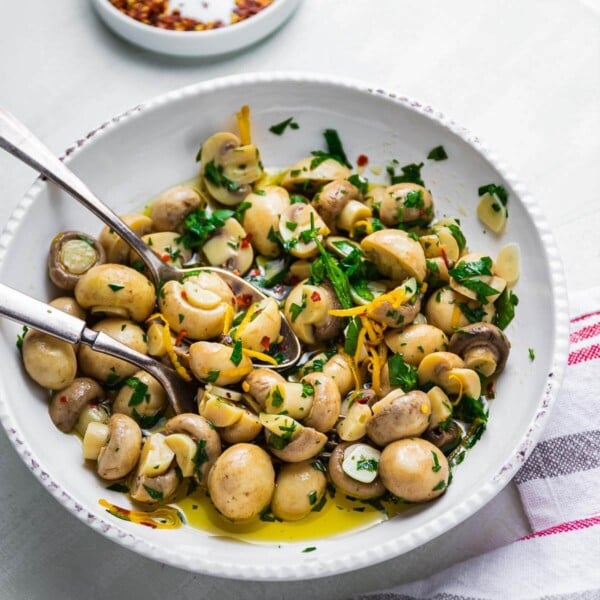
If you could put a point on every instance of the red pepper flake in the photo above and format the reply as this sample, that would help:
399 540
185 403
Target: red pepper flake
362 160
491 390
184 294
148 524
445 257
266 342
244 300
254 273
315 296
180 337
361 399
236 272
246 240
63 399
165 258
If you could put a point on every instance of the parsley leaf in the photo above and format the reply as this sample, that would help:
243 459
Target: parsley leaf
214 174
154 494
334 146
494 190
279 128
402 374
365 464
359 182
140 391
236 355
199 225
437 153
410 174
505 308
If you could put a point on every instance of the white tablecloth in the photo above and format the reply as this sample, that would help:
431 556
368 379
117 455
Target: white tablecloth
525 76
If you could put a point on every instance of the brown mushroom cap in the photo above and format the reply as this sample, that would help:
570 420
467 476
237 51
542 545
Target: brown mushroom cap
332 198
163 486
73 253
331 326
445 438
484 336
121 453
66 404
325 408
345 483
402 416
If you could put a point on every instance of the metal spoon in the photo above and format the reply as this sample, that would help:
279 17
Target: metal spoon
17 140
43 317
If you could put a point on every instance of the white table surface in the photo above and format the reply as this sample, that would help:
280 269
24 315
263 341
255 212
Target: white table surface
525 76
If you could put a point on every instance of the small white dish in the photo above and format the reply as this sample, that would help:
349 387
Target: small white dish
197 43
130 158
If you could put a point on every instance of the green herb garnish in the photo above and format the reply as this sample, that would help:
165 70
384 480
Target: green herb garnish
505 308
437 153
494 190
212 376
115 287
154 494
367 465
140 391
237 354
402 374
279 128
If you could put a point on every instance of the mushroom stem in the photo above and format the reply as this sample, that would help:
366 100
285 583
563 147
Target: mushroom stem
482 360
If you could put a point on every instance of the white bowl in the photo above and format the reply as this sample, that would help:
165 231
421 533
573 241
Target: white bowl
197 43
152 146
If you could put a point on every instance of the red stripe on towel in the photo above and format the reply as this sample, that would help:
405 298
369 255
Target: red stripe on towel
581 317
564 528
584 354
585 333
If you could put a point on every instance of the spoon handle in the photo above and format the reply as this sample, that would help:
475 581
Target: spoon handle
24 309
17 140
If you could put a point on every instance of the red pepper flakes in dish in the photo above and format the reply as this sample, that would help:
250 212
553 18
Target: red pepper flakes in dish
157 13
362 160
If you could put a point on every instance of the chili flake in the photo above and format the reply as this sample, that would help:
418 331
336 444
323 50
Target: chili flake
244 300
180 337
362 160
246 240
63 399
315 296
165 258
266 342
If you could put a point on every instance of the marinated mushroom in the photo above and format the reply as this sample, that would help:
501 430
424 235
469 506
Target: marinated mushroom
197 305
167 245
483 347
115 248
307 311
289 440
397 308
299 488
399 415
326 402
446 309
445 437
116 290
142 398
395 254
67 404
261 218
297 223
309 174
72 253
109 369
416 341
414 469
260 382
333 199
169 209
262 327
406 203
152 490
48 361
228 168
229 248
338 368
476 280
447 370
122 451
241 482
245 429
348 485
207 442
68 305
214 362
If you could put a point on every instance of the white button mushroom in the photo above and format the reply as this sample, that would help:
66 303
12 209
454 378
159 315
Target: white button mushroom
115 248
414 469
122 451
198 305
229 248
217 363
169 209
406 203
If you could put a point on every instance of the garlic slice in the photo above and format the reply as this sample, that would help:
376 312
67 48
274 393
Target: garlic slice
361 462
96 436
508 263
492 213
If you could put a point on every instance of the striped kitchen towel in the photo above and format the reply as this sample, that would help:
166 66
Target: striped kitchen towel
560 490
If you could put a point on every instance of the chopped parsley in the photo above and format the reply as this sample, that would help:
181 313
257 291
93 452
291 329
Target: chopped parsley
505 308
21 337
214 174
436 463
309 549
494 190
473 315
296 309
276 397
115 287
154 494
360 182
145 421
140 391
237 354
466 274
410 173
367 464
212 376
352 331
279 128
335 151
402 374
457 234
437 153
118 487
440 486
414 199
531 354
312 497
200 457
307 390
199 225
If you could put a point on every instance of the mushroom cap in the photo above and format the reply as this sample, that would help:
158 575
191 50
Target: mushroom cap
481 335
171 207
332 198
401 416
446 438
325 408
304 445
66 404
345 483
72 253
121 453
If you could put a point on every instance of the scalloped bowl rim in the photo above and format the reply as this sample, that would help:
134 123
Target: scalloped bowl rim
387 549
